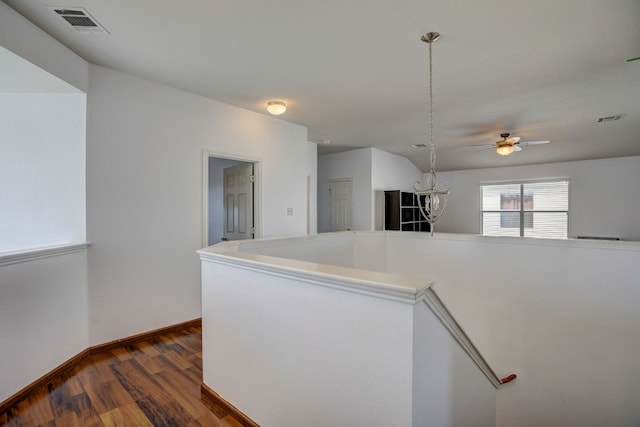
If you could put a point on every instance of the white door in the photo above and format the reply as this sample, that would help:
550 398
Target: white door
340 204
238 202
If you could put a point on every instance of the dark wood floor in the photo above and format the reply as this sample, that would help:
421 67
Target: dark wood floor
150 383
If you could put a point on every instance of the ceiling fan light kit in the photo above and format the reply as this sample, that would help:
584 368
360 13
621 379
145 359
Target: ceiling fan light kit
431 200
505 149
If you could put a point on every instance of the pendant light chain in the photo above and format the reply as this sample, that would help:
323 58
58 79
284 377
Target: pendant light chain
431 200
431 145
430 97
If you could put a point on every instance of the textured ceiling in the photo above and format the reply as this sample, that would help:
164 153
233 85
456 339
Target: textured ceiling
355 72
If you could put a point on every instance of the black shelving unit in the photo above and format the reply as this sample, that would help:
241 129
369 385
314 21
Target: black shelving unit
402 212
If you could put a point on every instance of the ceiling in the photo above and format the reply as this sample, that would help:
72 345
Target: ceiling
355 72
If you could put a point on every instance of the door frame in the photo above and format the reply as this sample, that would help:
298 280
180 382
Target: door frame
257 190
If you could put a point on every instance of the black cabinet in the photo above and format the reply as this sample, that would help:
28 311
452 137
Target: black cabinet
401 212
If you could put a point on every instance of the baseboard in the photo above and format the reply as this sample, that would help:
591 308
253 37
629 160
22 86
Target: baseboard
65 367
213 401
43 381
143 336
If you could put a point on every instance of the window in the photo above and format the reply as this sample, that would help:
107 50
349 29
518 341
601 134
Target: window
532 209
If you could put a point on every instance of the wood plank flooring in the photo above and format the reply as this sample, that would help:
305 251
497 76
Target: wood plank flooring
150 383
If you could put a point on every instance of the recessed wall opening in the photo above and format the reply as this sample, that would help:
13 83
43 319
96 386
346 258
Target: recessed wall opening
42 166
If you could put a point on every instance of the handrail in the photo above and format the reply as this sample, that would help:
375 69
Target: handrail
436 305
508 379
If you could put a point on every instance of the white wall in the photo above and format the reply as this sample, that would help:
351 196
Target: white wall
325 248
448 388
216 197
354 164
43 318
44 302
604 195
562 315
392 172
299 349
312 167
144 180
42 166
300 354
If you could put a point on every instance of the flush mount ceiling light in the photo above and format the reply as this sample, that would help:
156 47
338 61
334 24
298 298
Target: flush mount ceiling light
431 200
276 107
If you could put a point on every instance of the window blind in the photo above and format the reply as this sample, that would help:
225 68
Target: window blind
532 209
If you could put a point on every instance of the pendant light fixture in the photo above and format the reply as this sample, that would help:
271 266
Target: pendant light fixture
431 200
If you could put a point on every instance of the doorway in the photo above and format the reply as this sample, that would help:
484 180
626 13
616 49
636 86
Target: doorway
231 202
340 204
238 202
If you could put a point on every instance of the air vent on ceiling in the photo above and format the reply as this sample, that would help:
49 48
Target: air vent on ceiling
419 145
611 118
80 19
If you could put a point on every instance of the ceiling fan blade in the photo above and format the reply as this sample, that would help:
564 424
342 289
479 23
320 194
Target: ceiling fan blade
480 145
513 140
516 148
484 149
533 142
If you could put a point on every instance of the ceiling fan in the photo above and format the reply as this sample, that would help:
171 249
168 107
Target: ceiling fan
508 145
